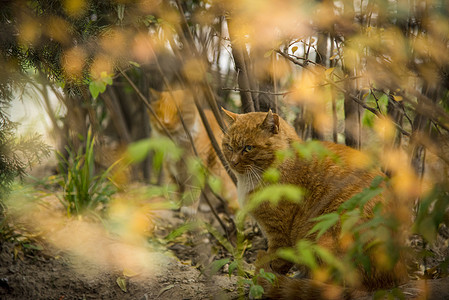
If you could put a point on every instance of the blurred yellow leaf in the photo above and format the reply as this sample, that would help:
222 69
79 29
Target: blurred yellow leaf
29 32
129 272
294 49
187 262
385 129
397 98
75 8
194 70
73 61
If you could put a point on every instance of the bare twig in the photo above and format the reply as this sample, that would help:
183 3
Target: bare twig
376 99
227 230
257 92
213 140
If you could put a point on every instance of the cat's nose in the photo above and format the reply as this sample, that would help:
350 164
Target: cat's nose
234 160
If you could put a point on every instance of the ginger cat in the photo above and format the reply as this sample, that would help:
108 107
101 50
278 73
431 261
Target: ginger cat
250 145
166 105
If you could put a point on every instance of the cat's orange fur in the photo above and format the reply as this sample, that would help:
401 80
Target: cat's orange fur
166 105
250 146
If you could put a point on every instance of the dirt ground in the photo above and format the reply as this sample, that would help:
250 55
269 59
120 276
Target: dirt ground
60 262
47 277
47 273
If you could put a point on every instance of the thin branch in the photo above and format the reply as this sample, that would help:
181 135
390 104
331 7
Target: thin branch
377 100
212 139
257 92
204 193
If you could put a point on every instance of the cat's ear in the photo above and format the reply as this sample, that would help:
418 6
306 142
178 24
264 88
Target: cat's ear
230 116
271 123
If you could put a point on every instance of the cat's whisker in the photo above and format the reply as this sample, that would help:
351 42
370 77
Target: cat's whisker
254 176
257 171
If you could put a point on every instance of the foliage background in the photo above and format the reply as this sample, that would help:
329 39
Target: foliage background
371 74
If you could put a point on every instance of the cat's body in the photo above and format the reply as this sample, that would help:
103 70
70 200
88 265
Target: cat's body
166 105
250 146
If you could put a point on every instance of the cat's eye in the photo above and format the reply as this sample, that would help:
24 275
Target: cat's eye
229 148
247 148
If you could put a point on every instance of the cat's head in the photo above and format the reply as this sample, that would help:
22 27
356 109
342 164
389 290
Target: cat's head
165 104
252 139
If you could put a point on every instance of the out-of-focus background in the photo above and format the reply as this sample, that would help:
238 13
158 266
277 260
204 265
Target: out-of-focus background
110 129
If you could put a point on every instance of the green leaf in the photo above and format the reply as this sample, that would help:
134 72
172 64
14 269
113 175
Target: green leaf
308 150
216 265
360 199
221 239
274 194
271 175
232 266
288 254
349 220
139 150
33 247
368 119
162 146
329 258
94 89
324 222
427 229
180 230
256 291
133 63
214 183
306 254
270 277
377 181
431 213
107 80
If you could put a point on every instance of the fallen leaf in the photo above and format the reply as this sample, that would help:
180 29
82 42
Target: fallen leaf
163 290
129 272
121 281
